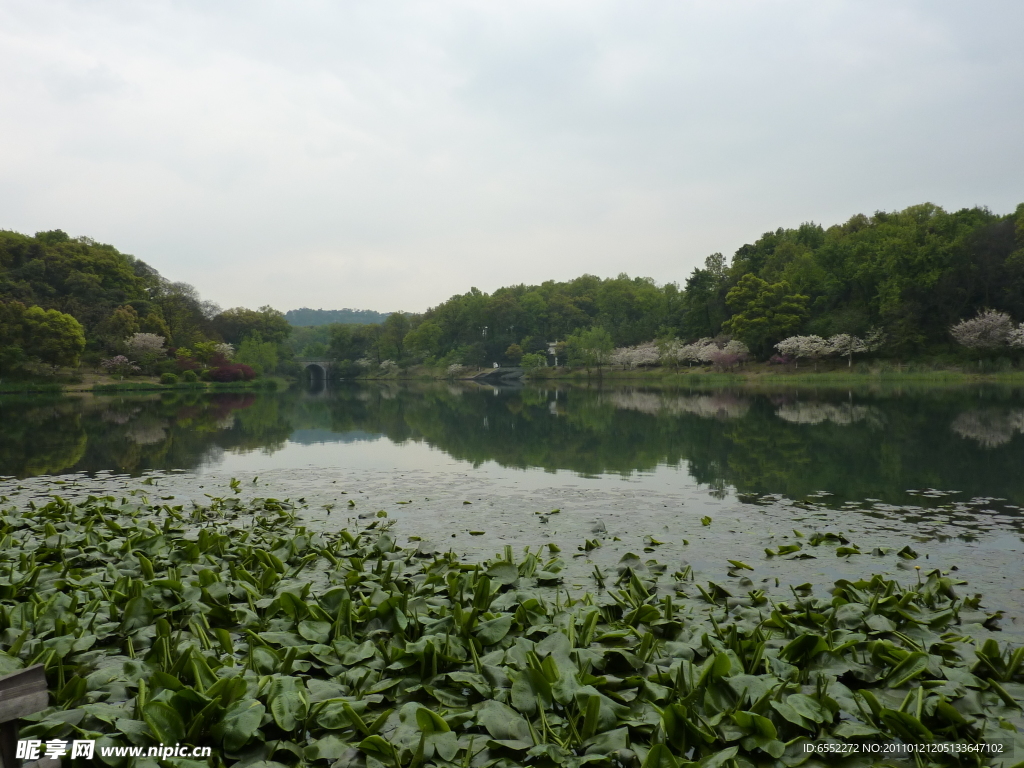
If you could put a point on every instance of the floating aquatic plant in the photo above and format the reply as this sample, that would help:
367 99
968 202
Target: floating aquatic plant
235 627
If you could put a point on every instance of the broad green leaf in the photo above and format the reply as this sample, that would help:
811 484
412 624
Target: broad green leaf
906 726
503 573
165 722
850 729
378 748
491 632
907 670
718 759
239 724
504 724
660 756
315 631
790 714
430 722
609 741
808 707
138 613
292 606
289 702
328 748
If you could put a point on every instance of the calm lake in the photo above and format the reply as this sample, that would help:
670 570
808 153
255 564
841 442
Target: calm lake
687 476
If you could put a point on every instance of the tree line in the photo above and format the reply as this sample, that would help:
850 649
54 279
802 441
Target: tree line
65 300
305 317
894 283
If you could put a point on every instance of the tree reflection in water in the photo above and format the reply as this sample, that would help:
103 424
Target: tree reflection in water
862 444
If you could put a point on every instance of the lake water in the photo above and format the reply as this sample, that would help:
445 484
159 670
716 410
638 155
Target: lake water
638 469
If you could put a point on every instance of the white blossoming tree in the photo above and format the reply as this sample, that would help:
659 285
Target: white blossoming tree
989 329
697 352
804 348
846 345
668 351
632 357
621 356
227 351
146 348
645 355
145 345
728 355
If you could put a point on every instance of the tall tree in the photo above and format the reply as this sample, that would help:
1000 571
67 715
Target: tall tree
764 312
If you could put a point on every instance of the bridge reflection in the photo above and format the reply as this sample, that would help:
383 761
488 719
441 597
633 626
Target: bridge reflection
318 373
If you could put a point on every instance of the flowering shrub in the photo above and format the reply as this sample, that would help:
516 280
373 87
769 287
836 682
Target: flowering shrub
640 355
388 366
144 346
846 345
731 354
225 350
805 347
988 330
700 351
119 365
780 360
228 373
455 369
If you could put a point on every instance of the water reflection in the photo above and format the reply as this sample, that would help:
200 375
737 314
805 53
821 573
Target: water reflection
990 427
855 444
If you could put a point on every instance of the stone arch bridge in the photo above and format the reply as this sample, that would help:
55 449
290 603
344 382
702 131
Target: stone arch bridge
318 368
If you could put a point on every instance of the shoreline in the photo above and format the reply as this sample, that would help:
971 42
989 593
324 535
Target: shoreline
752 375
760 374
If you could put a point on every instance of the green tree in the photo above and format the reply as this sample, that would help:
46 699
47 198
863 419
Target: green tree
514 353
12 335
153 323
424 339
53 337
391 338
314 350
533 360
184 312
764 312
258 354
116 327
590 347
237 323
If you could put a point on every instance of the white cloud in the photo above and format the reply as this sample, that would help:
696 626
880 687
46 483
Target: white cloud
389 155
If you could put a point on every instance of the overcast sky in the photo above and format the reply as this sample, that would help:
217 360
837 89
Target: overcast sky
387 155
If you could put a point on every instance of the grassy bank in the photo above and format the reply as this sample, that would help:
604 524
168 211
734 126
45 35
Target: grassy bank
18 387
759 372
750 373
232 626
271 384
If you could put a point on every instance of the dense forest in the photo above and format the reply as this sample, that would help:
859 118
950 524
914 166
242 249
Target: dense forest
903 278
304 316
908 276
64 300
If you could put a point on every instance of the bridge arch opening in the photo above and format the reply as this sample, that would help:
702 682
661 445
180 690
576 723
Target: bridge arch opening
316 372
317 375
